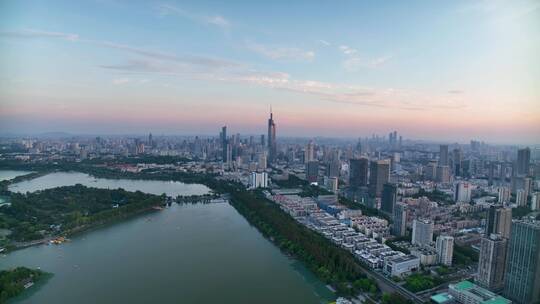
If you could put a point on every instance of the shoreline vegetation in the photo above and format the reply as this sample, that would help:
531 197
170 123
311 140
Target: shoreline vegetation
331 264
13 282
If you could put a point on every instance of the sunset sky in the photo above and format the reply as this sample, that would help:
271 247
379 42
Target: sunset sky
444 70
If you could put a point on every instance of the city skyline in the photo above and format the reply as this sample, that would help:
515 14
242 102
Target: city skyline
113 68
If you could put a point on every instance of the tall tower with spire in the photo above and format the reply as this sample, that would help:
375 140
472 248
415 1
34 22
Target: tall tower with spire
272 148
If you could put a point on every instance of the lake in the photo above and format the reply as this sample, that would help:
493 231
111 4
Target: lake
10 174
59 179
203 253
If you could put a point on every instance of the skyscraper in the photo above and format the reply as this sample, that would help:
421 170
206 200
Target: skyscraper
224 143
523 161
445 249
492 263
457 162
422 232
332 168
358 172
379 175
309 153
389 198
312 171
272 147
499 221
399 227
443 155
522 281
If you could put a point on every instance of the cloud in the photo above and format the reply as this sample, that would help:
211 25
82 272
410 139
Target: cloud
281 53
29 33
215 20
325 43
120 81
347 50
455 92
355 63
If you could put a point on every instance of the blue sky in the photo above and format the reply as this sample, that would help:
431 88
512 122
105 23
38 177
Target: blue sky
437 70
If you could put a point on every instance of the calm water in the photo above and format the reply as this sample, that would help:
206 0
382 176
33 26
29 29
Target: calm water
9 174
183 254
71 178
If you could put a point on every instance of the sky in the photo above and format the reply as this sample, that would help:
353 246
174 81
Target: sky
437 70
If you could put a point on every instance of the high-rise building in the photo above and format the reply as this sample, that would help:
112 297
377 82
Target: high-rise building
224 143
457 162
443 155
522 281
430 171
492 263
523 161
358 172
462 192
499 221
272 146
504 195
332 168
422 232
312 171
389 198
535 201
378 176
399 227
443 174
331 184
521 198
309 152
445 249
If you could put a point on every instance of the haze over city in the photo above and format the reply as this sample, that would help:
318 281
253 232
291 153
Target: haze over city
437 71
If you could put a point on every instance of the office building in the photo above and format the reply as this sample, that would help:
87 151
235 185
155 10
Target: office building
401 265
399 227
466 292
498 221
462 192
312 171
422 232
309 152
443 155
523 161
379 175
535 201
445 249
443 174
492 263
358 172
457 162
333 168
522 280
389 198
